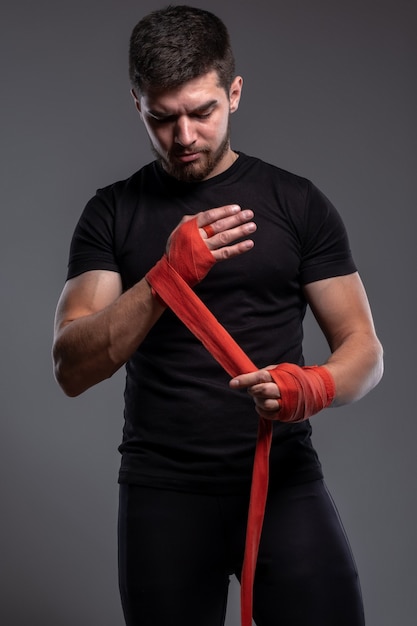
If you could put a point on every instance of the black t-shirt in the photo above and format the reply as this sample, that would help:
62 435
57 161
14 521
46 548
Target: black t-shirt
184 427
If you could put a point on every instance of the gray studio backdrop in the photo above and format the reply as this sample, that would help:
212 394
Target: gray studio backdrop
330 93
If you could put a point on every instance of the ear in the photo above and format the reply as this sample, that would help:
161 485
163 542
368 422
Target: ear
234 93
136 101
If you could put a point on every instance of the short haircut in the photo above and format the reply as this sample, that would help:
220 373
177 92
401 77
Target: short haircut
174 45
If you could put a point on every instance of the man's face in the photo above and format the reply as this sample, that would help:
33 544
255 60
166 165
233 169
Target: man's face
189 126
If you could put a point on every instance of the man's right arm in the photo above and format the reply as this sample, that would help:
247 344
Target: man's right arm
98 327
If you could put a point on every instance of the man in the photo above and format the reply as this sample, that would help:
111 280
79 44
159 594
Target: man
263 245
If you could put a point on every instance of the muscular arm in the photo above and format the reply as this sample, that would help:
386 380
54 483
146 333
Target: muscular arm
98 328
341 308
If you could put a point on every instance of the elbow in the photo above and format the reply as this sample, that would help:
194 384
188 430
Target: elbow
379 362
360 373
65 382
373 372
373 369
74 376
69 382
69 391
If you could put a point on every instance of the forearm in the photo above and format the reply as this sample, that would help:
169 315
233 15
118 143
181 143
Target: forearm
93 347
356 366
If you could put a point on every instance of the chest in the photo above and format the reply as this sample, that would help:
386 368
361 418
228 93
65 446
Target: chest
271 266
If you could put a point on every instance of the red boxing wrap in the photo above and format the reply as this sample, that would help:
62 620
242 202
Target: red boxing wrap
304 390
188 255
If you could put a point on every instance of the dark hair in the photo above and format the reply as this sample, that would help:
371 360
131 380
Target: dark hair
176 44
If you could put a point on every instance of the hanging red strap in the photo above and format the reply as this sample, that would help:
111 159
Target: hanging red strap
182 300
304 391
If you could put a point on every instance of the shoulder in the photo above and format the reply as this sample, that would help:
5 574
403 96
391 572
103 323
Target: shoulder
271 169
121 189
289 185
116 201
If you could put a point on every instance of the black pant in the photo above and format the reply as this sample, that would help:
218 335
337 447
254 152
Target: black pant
177 551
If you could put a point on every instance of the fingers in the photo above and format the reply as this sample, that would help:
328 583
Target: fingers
222 226
228 252
264 392
243 381
267 400
270 412
232 211
209 230
227 223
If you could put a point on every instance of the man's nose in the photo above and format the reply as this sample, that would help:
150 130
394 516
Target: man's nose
184 131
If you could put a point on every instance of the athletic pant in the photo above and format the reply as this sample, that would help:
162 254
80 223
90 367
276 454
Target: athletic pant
177 551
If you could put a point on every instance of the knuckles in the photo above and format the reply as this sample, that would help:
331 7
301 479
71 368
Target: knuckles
223 237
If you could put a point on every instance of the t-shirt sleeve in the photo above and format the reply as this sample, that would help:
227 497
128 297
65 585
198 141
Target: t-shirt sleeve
325 245
92 244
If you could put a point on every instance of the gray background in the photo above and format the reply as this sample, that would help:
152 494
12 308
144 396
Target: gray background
330 93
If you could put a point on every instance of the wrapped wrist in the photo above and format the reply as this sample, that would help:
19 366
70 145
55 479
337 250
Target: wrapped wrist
304 390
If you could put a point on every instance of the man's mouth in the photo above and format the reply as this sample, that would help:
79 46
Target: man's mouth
187 157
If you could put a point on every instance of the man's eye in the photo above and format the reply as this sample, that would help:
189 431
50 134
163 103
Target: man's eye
203 116
162 120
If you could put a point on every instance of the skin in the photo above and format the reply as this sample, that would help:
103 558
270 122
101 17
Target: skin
189 126
98 327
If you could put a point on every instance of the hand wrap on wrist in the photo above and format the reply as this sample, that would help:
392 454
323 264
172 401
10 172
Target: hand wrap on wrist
304 390
188 255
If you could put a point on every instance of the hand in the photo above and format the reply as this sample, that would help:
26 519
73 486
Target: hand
263 390
220 227
289 392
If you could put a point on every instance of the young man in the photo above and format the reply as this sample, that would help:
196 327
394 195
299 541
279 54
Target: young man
265 244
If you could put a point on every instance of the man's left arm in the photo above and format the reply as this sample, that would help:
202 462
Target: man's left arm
340 306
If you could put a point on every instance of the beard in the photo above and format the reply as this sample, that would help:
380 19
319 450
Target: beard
196 170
